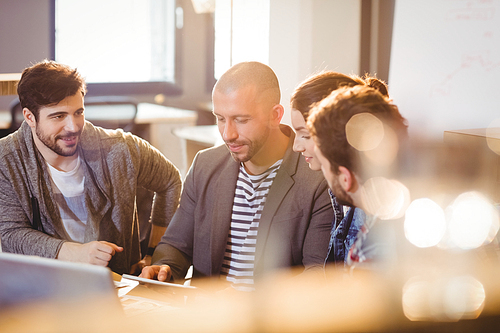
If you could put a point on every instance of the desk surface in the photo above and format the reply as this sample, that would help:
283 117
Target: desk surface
148 113
479 132
8 83
208 135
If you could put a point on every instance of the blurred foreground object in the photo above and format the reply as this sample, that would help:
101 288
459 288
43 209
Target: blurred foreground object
441 275
447 254
362 302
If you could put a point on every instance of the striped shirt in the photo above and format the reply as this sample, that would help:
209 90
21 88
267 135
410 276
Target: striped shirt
249 198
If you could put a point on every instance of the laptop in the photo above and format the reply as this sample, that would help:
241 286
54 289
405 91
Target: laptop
25 280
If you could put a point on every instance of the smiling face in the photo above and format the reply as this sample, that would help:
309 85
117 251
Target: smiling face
303 142
58 128
244 122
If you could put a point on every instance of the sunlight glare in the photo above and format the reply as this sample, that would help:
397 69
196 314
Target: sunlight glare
443 299
425 223
474 221
385 198
364 131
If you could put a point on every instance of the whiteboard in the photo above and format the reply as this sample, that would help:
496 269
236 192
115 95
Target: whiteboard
445 64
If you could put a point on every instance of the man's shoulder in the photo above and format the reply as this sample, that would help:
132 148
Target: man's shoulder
213 162
215 154
9 144
92 132
94 136
5 145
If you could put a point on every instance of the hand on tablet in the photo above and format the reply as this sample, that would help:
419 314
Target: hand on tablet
161 273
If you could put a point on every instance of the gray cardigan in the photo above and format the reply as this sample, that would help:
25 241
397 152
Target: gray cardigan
115 165
294 228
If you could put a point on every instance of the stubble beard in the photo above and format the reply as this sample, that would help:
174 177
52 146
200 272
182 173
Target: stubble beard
242 158
341 195
253 148
52 144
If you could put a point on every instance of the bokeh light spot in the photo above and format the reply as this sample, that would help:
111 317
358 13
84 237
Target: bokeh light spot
159 99
463 298
385 198
474 221
443 298
425 223
364 131
386 150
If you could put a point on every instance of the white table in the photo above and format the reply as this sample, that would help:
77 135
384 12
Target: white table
162 122
197 138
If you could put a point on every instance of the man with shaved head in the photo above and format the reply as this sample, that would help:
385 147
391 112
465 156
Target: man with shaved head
252 205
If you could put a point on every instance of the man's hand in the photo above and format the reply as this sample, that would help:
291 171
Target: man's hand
95 253
162 273
138 266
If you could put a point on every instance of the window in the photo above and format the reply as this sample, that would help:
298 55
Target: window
241 33
121 46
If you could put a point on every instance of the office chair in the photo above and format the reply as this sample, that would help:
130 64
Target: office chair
16 114
111 111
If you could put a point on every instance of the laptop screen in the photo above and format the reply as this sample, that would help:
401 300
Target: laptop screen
26 279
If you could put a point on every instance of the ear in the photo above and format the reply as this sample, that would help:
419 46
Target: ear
347 180
29 117
277 114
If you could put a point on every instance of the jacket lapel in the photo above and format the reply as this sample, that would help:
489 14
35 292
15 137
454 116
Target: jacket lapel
281 185
39 183
222 210
97 181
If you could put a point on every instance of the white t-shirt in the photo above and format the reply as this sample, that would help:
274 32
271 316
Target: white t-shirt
68 191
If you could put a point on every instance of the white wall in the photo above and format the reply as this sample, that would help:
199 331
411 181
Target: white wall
307 36
24 33
25 39
301 37
445 65
24 36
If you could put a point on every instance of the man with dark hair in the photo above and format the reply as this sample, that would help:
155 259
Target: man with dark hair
250 206
357 134
67 188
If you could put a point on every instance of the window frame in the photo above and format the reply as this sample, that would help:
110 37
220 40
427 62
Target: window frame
133 88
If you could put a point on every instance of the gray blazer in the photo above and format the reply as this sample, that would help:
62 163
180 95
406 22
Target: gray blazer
294 227
115 165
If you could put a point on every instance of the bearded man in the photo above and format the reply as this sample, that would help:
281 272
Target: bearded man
250 206
68 189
